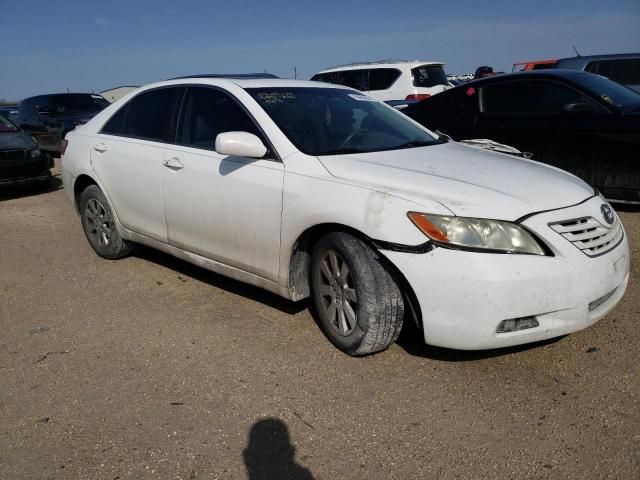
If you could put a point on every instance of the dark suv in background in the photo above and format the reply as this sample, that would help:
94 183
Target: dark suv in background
623 68
48 118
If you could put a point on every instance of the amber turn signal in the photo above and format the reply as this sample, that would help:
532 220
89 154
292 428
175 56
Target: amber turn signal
428 228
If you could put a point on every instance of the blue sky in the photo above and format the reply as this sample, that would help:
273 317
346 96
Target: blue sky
85 45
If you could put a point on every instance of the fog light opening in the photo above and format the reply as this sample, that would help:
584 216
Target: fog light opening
515 324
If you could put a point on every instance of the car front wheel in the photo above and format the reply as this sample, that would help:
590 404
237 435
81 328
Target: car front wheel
359 304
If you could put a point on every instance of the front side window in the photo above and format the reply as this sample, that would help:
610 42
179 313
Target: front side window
429 76
208 112
149 115
626 71
329 77
334 121
528 97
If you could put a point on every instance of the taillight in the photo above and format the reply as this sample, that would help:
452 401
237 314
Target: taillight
63 146
417 96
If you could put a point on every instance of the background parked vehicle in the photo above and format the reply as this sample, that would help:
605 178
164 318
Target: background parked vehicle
9 112
389 79
20 158
49 117
583 123
533 65
623 68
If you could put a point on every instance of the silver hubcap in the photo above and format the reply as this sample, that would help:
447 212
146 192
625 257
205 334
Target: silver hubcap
98 222
338 293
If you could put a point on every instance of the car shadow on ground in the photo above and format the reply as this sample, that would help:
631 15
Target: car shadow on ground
11 192
219 281
270 453
411 340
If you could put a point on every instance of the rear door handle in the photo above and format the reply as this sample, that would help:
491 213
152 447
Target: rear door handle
100 147
173 163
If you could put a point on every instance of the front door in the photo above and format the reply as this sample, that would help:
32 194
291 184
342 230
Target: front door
221 207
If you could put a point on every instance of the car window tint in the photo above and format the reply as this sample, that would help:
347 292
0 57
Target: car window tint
116 122
382 78
625 71
353 78
329 77
528 97
429 76
208 112
150 114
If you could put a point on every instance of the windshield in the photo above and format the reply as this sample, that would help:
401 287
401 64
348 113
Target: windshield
334 121
429 76
77 102
6 126
611 92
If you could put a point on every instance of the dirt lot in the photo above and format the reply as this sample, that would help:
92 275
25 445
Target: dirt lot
151 368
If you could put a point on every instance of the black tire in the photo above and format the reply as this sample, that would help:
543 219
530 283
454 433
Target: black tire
378 304
99 225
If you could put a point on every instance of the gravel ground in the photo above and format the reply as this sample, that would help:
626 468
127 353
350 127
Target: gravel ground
149 367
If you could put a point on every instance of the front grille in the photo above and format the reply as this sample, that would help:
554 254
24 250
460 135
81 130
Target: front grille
12 155
589 235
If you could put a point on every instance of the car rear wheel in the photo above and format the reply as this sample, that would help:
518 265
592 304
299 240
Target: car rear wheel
359 304
99 225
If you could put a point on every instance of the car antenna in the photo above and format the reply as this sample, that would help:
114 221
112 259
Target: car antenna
576 50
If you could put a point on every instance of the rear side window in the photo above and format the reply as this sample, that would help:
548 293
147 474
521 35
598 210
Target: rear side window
626 71
148 115
429 76
353 78
528 97
382 78
208 112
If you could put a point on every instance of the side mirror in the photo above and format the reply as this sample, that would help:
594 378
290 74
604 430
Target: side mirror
580 107
240 144
43 110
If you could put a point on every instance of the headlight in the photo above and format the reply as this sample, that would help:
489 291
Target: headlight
477 233
35 153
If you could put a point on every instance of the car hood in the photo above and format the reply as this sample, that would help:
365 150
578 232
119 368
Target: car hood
15 140
467 180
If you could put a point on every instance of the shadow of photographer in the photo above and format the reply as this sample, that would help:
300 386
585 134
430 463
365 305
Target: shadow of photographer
270 454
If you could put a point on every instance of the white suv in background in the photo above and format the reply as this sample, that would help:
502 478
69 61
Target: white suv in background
389 80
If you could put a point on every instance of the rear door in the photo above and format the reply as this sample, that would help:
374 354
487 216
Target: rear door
225 208
127 157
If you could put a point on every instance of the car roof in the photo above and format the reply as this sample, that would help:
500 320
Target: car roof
228 75
245 83
581 61
61 95
380 64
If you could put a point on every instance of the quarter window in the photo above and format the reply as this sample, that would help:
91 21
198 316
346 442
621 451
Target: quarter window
209 112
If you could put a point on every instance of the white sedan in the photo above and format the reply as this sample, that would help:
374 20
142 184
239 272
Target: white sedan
309 189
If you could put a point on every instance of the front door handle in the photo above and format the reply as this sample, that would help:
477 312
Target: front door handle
173 163
100 147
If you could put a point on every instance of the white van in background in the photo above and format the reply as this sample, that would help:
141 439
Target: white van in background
390 79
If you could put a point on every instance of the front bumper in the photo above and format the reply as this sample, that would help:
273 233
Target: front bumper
463 296
26 170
